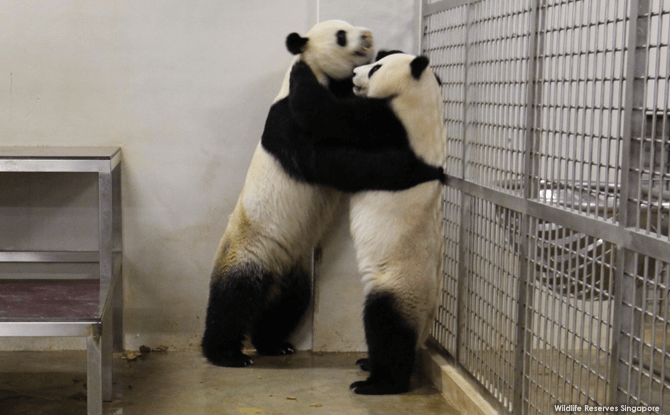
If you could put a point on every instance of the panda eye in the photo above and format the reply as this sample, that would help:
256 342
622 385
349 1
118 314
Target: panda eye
373 70
342 38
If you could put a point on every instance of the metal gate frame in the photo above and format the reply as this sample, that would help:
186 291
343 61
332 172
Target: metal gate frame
557 250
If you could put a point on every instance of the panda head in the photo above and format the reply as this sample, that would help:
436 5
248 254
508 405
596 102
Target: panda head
333 48
394 75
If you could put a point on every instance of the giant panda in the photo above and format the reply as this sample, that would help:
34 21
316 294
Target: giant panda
397 234
260 283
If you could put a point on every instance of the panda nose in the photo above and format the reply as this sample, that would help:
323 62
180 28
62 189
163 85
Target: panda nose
366 39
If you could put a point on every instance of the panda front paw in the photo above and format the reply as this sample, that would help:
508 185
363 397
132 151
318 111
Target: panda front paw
442 177
376 387
301 72
279 350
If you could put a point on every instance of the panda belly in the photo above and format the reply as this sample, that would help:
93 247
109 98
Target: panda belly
398 241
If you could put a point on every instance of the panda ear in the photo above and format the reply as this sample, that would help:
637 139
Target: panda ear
296 43
418 65
384 53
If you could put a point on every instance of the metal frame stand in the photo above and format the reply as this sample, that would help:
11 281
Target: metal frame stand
102 325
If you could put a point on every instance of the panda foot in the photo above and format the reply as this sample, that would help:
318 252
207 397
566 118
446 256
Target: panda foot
280 350
364 363
236 360
371 387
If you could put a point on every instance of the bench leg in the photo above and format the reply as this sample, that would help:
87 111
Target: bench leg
94 375
99 366
107 344
117 315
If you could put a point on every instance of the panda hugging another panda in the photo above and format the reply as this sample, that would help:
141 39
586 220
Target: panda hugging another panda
397 234
316 145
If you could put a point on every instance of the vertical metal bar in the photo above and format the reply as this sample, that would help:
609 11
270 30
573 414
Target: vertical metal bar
117 242
465 207
106 344
421 26
94 379
624 289
525 289
105 217
591 136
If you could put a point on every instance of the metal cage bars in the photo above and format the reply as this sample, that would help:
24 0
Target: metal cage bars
559 198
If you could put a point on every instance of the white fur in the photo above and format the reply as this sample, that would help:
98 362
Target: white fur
326 58
277 221
397 235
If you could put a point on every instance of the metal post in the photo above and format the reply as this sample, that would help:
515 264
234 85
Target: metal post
464 242
626 263
525 287
94 377
105 201
117 243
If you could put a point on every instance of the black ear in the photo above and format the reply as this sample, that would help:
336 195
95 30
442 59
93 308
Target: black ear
296 43
384 53
418 65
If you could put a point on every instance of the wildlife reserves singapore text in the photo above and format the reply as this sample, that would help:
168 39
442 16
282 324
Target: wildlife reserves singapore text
625 409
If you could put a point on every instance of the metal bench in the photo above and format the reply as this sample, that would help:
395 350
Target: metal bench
63 307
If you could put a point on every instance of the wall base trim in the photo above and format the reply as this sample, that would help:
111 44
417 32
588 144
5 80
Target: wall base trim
458 389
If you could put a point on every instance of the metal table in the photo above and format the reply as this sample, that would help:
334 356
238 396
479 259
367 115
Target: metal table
90 308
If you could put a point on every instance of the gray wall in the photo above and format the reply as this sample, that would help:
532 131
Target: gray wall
183 88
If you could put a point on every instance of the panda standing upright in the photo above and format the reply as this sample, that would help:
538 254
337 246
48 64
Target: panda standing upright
397 234
260 283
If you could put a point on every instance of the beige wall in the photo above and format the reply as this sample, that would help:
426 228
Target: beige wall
183 88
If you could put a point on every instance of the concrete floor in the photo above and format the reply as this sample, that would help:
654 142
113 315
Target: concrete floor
36 383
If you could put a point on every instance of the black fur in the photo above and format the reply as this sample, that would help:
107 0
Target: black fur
418 65
296 43
281 316
373 70
341 88
341 36
384 53
391 348
239 304
351 144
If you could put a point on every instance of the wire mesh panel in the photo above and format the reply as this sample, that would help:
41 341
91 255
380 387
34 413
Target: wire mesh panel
570 335
557 254
650 146
498 51
579 104
644 360
489 303
445 326
444 40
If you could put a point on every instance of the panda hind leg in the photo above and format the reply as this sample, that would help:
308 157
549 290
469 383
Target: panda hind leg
236 295
391 348
277 322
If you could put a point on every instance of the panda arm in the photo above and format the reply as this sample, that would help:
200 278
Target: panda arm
352 170
352 121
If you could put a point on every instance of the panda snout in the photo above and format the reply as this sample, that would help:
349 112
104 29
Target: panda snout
366 39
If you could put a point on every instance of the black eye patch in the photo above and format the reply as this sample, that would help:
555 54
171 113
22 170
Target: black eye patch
373 70
341 38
